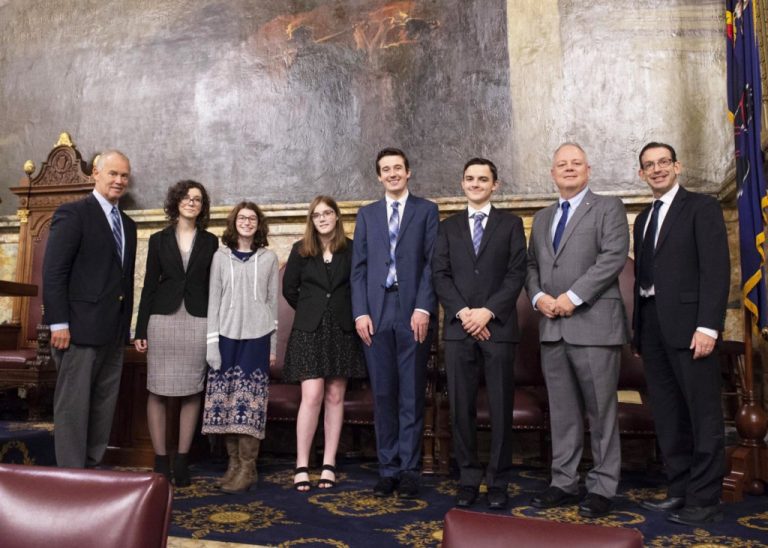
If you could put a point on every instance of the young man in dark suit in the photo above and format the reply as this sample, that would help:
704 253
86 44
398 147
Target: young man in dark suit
394 307
681 289
88 298
478 270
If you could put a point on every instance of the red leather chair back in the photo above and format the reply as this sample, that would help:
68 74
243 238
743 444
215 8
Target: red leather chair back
465 529
45 507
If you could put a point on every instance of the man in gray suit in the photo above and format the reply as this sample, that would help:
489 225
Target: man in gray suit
577 249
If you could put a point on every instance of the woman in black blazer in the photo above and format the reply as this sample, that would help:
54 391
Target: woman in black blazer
323 349
171 324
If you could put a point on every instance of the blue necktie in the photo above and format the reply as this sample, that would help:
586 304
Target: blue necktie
394 228
477 236
116 232
561 226
649 248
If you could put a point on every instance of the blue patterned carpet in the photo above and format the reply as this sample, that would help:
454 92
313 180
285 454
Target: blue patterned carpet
272 513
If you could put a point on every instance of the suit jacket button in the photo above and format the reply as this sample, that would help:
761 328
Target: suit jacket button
477 271
120 298
327 295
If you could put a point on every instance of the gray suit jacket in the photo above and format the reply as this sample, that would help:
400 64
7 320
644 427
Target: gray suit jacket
591 255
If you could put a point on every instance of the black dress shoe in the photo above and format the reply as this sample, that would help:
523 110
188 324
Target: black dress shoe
408 487
595 506
669 503
497 498
553 496
696 515
385 487
466 496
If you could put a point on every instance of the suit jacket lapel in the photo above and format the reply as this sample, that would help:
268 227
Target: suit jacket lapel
98 212
490 226
576 217
172 247
548 216
669 219
407 214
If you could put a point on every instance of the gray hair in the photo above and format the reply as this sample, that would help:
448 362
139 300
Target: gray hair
99 161
569 144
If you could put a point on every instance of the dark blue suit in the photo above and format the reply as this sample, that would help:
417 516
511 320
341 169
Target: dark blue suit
396 362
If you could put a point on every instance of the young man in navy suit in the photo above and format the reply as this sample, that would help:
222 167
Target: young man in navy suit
681 290
478 269
88 298
394 307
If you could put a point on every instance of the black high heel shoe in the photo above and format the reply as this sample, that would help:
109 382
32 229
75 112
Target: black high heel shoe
301 486
327 483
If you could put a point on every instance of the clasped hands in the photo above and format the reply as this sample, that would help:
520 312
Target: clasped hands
475 322
554 307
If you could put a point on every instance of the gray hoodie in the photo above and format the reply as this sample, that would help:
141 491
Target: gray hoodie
242 302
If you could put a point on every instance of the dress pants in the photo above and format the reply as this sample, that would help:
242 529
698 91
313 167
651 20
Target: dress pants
84 401
397 367
583 379
685 401
463 362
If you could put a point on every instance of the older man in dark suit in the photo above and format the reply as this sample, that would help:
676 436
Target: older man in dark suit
578 247
394 307
681 290
478 270
88 298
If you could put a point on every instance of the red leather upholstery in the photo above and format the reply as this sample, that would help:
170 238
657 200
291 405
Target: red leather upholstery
464 529
44 507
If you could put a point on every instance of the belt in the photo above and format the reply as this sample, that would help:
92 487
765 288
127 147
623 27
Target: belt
392 288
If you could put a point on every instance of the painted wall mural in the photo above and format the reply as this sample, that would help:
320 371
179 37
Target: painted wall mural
279 101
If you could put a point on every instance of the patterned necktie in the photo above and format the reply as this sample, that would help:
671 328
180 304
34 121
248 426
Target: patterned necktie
649 248
116 232
394 228
477 235
560 228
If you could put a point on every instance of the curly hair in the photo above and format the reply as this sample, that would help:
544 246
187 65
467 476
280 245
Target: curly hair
177 192
229 238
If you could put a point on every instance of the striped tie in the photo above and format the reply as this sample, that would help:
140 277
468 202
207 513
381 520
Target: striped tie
116 232
394 228
477 237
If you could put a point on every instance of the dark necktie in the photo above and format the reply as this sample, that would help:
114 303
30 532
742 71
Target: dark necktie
649 248
477 237
560 228
116 232
394 228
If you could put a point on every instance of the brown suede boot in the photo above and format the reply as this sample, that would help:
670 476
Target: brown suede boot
231 441
246 476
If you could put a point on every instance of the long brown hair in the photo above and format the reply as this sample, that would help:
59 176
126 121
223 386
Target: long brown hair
310 244
229 238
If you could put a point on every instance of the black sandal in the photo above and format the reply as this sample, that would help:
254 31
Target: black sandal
301 486
327 483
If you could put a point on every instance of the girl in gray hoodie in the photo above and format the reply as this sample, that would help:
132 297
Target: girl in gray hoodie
242 332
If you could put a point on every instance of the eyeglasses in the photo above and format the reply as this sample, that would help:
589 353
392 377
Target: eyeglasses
245 219
662 164
327 214
194 200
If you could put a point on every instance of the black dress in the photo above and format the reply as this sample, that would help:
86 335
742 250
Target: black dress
328 350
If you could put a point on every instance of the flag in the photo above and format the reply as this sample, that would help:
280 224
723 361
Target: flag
744 105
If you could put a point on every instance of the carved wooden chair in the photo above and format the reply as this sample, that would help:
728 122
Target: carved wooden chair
27 365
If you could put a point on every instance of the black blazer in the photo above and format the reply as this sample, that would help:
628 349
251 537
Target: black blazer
308 288
492 279
84 282
166 284
692 270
